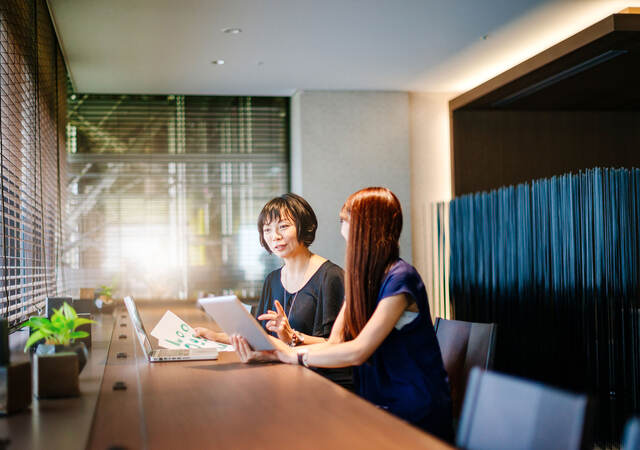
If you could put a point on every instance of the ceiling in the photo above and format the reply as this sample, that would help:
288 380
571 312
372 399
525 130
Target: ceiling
167 46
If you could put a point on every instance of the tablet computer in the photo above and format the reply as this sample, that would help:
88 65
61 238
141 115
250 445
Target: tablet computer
234 318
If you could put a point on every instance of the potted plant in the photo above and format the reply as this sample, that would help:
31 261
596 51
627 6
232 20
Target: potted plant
105 294
59 360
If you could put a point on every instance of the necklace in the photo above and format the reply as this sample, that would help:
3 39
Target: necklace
292 303
295 296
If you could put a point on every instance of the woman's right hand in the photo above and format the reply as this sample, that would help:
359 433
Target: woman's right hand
278 323
208 334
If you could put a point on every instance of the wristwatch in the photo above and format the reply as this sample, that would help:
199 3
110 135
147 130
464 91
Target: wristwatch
303 358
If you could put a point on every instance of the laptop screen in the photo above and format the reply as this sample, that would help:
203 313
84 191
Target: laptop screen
137 323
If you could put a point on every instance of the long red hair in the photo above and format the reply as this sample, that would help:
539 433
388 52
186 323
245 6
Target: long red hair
375 222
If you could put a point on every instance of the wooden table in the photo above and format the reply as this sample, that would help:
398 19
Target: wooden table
226 404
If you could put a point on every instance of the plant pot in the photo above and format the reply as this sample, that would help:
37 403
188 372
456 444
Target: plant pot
15 385
77 347
105 304
56 369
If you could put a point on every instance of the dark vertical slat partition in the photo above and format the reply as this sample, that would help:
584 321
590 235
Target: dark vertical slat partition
555 263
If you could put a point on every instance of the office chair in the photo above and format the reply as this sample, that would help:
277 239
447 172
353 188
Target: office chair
631 437
505 412
464 345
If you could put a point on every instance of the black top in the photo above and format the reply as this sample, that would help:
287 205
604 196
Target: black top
316 304
315 308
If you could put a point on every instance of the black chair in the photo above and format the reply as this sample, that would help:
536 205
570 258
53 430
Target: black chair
631 438
464 345
505 412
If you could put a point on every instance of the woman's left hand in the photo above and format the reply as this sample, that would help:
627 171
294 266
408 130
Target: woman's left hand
278 323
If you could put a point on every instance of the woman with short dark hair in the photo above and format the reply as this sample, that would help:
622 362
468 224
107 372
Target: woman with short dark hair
384 327
301 300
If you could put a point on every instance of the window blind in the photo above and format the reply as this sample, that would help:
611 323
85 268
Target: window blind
165 191
32 114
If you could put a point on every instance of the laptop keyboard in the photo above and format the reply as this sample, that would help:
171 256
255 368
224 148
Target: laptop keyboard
165 353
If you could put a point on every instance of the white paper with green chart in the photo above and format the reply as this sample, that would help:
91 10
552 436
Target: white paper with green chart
173 332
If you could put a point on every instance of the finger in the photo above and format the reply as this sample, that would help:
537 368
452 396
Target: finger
246 348
241 349
279 308
233 342
267 316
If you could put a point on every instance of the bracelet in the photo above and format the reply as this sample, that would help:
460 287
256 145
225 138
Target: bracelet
296 339
303 358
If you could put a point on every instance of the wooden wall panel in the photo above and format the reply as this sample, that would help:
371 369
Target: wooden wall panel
498 148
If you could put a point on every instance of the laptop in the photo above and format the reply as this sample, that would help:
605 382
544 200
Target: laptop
164 354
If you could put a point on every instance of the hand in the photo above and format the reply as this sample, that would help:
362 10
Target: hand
283 352
207 333
247 354
278 323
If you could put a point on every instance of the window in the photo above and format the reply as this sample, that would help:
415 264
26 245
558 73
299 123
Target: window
165 191
32 114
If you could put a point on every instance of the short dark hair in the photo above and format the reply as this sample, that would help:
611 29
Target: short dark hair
294 207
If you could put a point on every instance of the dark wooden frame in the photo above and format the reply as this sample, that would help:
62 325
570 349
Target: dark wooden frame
478 120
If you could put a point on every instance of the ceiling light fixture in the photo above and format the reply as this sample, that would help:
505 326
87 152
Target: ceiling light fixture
219 62
232 30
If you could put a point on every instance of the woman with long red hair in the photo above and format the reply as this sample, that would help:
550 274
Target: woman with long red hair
384 328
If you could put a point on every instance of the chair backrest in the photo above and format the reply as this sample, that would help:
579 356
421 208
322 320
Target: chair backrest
631 438
505 412
464 345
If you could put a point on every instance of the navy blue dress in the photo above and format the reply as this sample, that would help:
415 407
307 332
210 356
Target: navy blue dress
405 375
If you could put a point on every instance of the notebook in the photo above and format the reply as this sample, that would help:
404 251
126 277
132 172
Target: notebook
155 355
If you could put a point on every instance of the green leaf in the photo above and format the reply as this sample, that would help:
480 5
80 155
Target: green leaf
69 312
37 322
68 325
81 321
35 337
79 334
57 316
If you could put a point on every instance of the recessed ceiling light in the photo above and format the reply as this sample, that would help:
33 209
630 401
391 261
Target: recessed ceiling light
218 61
232 30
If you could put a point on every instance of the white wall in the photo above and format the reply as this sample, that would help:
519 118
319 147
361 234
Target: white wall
430 172
343 141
